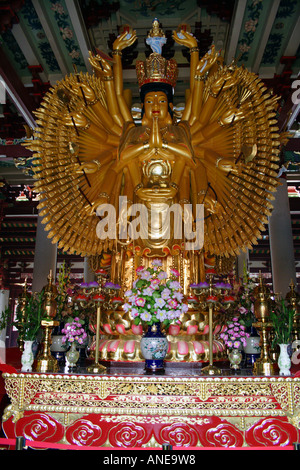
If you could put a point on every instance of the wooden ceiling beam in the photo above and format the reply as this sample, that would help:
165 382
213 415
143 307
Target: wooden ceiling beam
234 33
80 31
265 35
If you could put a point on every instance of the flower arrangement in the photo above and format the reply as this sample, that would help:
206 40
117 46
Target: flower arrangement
74 332
30 324
282 317
154 298
234 334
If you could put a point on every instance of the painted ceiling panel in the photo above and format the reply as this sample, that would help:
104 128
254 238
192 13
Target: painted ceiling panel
256 19
57 14
35 33
285 22
14 53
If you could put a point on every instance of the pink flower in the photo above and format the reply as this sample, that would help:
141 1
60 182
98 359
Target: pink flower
172 303
174 272
140 302
154 283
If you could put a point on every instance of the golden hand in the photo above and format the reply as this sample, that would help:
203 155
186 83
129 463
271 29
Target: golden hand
228 164
122 41
225 81
81 89
155 140
101 65
230 116
187 40
75 119
87 167
207 61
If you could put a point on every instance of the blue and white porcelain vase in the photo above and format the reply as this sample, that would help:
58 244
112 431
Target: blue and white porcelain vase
154 347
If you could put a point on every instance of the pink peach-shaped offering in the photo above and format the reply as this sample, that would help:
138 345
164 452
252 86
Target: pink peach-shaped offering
198 347
113 345
183 348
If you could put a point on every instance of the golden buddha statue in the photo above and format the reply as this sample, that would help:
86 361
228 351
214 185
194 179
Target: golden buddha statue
221 154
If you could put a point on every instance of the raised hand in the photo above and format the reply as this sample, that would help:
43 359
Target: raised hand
224 82
101 65
207 61
123 41
231 115
185 39
81 89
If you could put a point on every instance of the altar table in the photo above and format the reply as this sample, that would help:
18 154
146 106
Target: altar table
126 409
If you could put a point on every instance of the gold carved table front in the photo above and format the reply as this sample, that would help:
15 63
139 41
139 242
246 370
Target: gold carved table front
132 410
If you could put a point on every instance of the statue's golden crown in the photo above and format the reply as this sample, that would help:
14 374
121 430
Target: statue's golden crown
156 69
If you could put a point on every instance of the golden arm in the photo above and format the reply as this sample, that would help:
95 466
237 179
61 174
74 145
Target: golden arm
119 44
104 71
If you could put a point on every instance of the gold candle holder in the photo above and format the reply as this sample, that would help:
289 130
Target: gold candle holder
265 364
212 297
45 361
96 367
210 369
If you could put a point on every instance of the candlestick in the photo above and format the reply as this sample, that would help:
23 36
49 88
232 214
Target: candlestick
265 364
96 367
212 297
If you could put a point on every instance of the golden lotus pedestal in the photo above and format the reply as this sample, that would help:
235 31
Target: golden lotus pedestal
188 342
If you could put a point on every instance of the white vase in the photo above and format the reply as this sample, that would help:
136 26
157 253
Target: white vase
284 361
27 357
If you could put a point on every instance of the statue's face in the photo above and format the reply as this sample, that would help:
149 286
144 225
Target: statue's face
156 106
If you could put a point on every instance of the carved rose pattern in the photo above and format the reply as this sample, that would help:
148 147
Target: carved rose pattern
224 435
93 430
179 434
272 432
84 433
39 427
128 435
